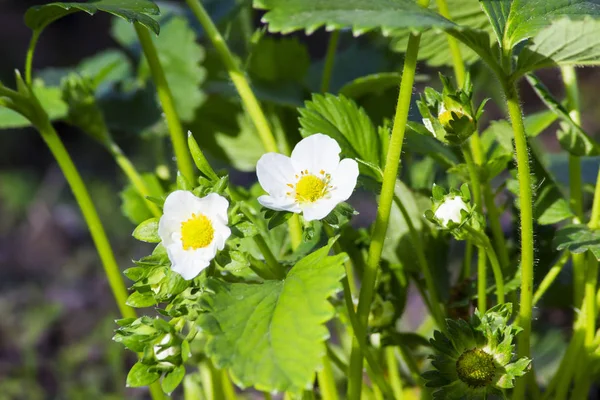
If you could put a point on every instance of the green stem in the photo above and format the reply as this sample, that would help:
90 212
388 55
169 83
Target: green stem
327 381
457 60
29 58
295 229
434 303
134 177
228 389
237 76
550 277
526 224
481 280
329 60
111 268
393 373
595 217
487 248
274 268
383 211
178 138
468 259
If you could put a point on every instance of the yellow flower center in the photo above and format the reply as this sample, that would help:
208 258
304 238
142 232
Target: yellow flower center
197 232
476 368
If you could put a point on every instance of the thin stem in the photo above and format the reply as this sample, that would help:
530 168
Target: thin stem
481 280
29 58
275 269
393 373
237 76
327 381
468 259
134 177
434 303
111 268
178 138
595 218
488 249
457 60
550 277
329 60
295 229
228 389
526 224
383 211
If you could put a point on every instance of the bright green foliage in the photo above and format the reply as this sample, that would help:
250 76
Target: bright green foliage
286 16
38 17
271 335
433 48
564 42
49 97
147 231
343 120
578 239
497 12
180 56
572 137
474 359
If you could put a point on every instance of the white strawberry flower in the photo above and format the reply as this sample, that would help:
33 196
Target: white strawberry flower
312 181
450 209
193 229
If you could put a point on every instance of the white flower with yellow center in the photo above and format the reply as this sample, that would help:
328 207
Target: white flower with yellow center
193 229
312 181
450 209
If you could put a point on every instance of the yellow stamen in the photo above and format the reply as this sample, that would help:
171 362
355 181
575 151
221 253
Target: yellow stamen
310 189
197 232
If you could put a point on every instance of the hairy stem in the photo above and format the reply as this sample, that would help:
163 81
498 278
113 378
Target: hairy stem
178 138
526 224
383 210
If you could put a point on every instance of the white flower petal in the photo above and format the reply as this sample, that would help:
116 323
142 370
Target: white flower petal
213 204
280 203
222 233
187 263
319 209
344 180
450 209
315 153
180 204
274 172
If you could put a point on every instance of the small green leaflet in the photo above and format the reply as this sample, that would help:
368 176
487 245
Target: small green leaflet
340 118
564 42
38 17
578 239
573 139
286 16
271 335
497 12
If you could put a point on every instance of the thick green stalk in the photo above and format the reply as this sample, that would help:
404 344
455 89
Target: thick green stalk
329 60
327 381
434 302
393 373
29 58
457 60
134 177
383 211
228 389
295 229
111 268
178 138
526 225
237 76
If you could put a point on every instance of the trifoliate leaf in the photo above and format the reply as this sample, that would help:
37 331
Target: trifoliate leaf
38 17
49 97
564 42
286 16
578 239
340 118
180 57
271 335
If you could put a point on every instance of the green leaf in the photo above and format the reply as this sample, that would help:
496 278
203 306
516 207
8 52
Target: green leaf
574 139
528 17
270 60
340 118
147 231
433 48
497 12
271 335
564 42
140 375
173 379
134 206
140 300
578 239
38 17
374 83
180 56
286 16
49 97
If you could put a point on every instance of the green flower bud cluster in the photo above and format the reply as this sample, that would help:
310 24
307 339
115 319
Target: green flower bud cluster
450 115
475 359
